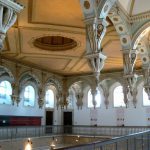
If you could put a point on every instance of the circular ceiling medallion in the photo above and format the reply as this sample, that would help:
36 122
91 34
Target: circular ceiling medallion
54 43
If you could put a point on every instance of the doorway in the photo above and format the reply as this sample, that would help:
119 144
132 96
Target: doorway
49 121
67 118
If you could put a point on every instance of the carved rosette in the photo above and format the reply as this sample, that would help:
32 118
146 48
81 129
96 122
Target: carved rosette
8 16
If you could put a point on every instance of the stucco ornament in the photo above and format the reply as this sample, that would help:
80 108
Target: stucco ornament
8 15
62 95
134 94
78 89
15 87
95 13
129 58
15 93
41 95
146 71
125 92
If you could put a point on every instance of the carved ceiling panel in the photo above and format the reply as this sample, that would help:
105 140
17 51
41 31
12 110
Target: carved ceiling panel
44 18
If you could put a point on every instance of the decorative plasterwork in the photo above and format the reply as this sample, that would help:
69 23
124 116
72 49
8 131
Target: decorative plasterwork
134 18
142 31
11 4
55 82
73 46
146 73
143 49
4 70
95 13
78 90
122 27
8 15
55 43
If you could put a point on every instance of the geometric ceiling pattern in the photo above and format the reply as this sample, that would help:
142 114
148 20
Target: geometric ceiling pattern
48 18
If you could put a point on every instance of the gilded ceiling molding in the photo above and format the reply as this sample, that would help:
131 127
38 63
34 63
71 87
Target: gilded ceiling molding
8 15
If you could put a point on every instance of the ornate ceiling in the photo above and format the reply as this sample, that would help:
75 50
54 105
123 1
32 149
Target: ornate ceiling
57 18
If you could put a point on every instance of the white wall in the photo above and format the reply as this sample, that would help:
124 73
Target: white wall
132 116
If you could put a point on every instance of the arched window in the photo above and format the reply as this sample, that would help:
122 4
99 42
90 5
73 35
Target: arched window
29 96
146 101
97 99
49 98
5 92
119 97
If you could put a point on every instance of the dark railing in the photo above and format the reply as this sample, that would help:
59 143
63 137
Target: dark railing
39 131
136 141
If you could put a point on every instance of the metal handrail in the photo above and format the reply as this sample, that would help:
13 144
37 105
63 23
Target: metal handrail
108 142
38 131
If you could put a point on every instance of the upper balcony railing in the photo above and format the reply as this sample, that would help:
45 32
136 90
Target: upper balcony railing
39 131
136 141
